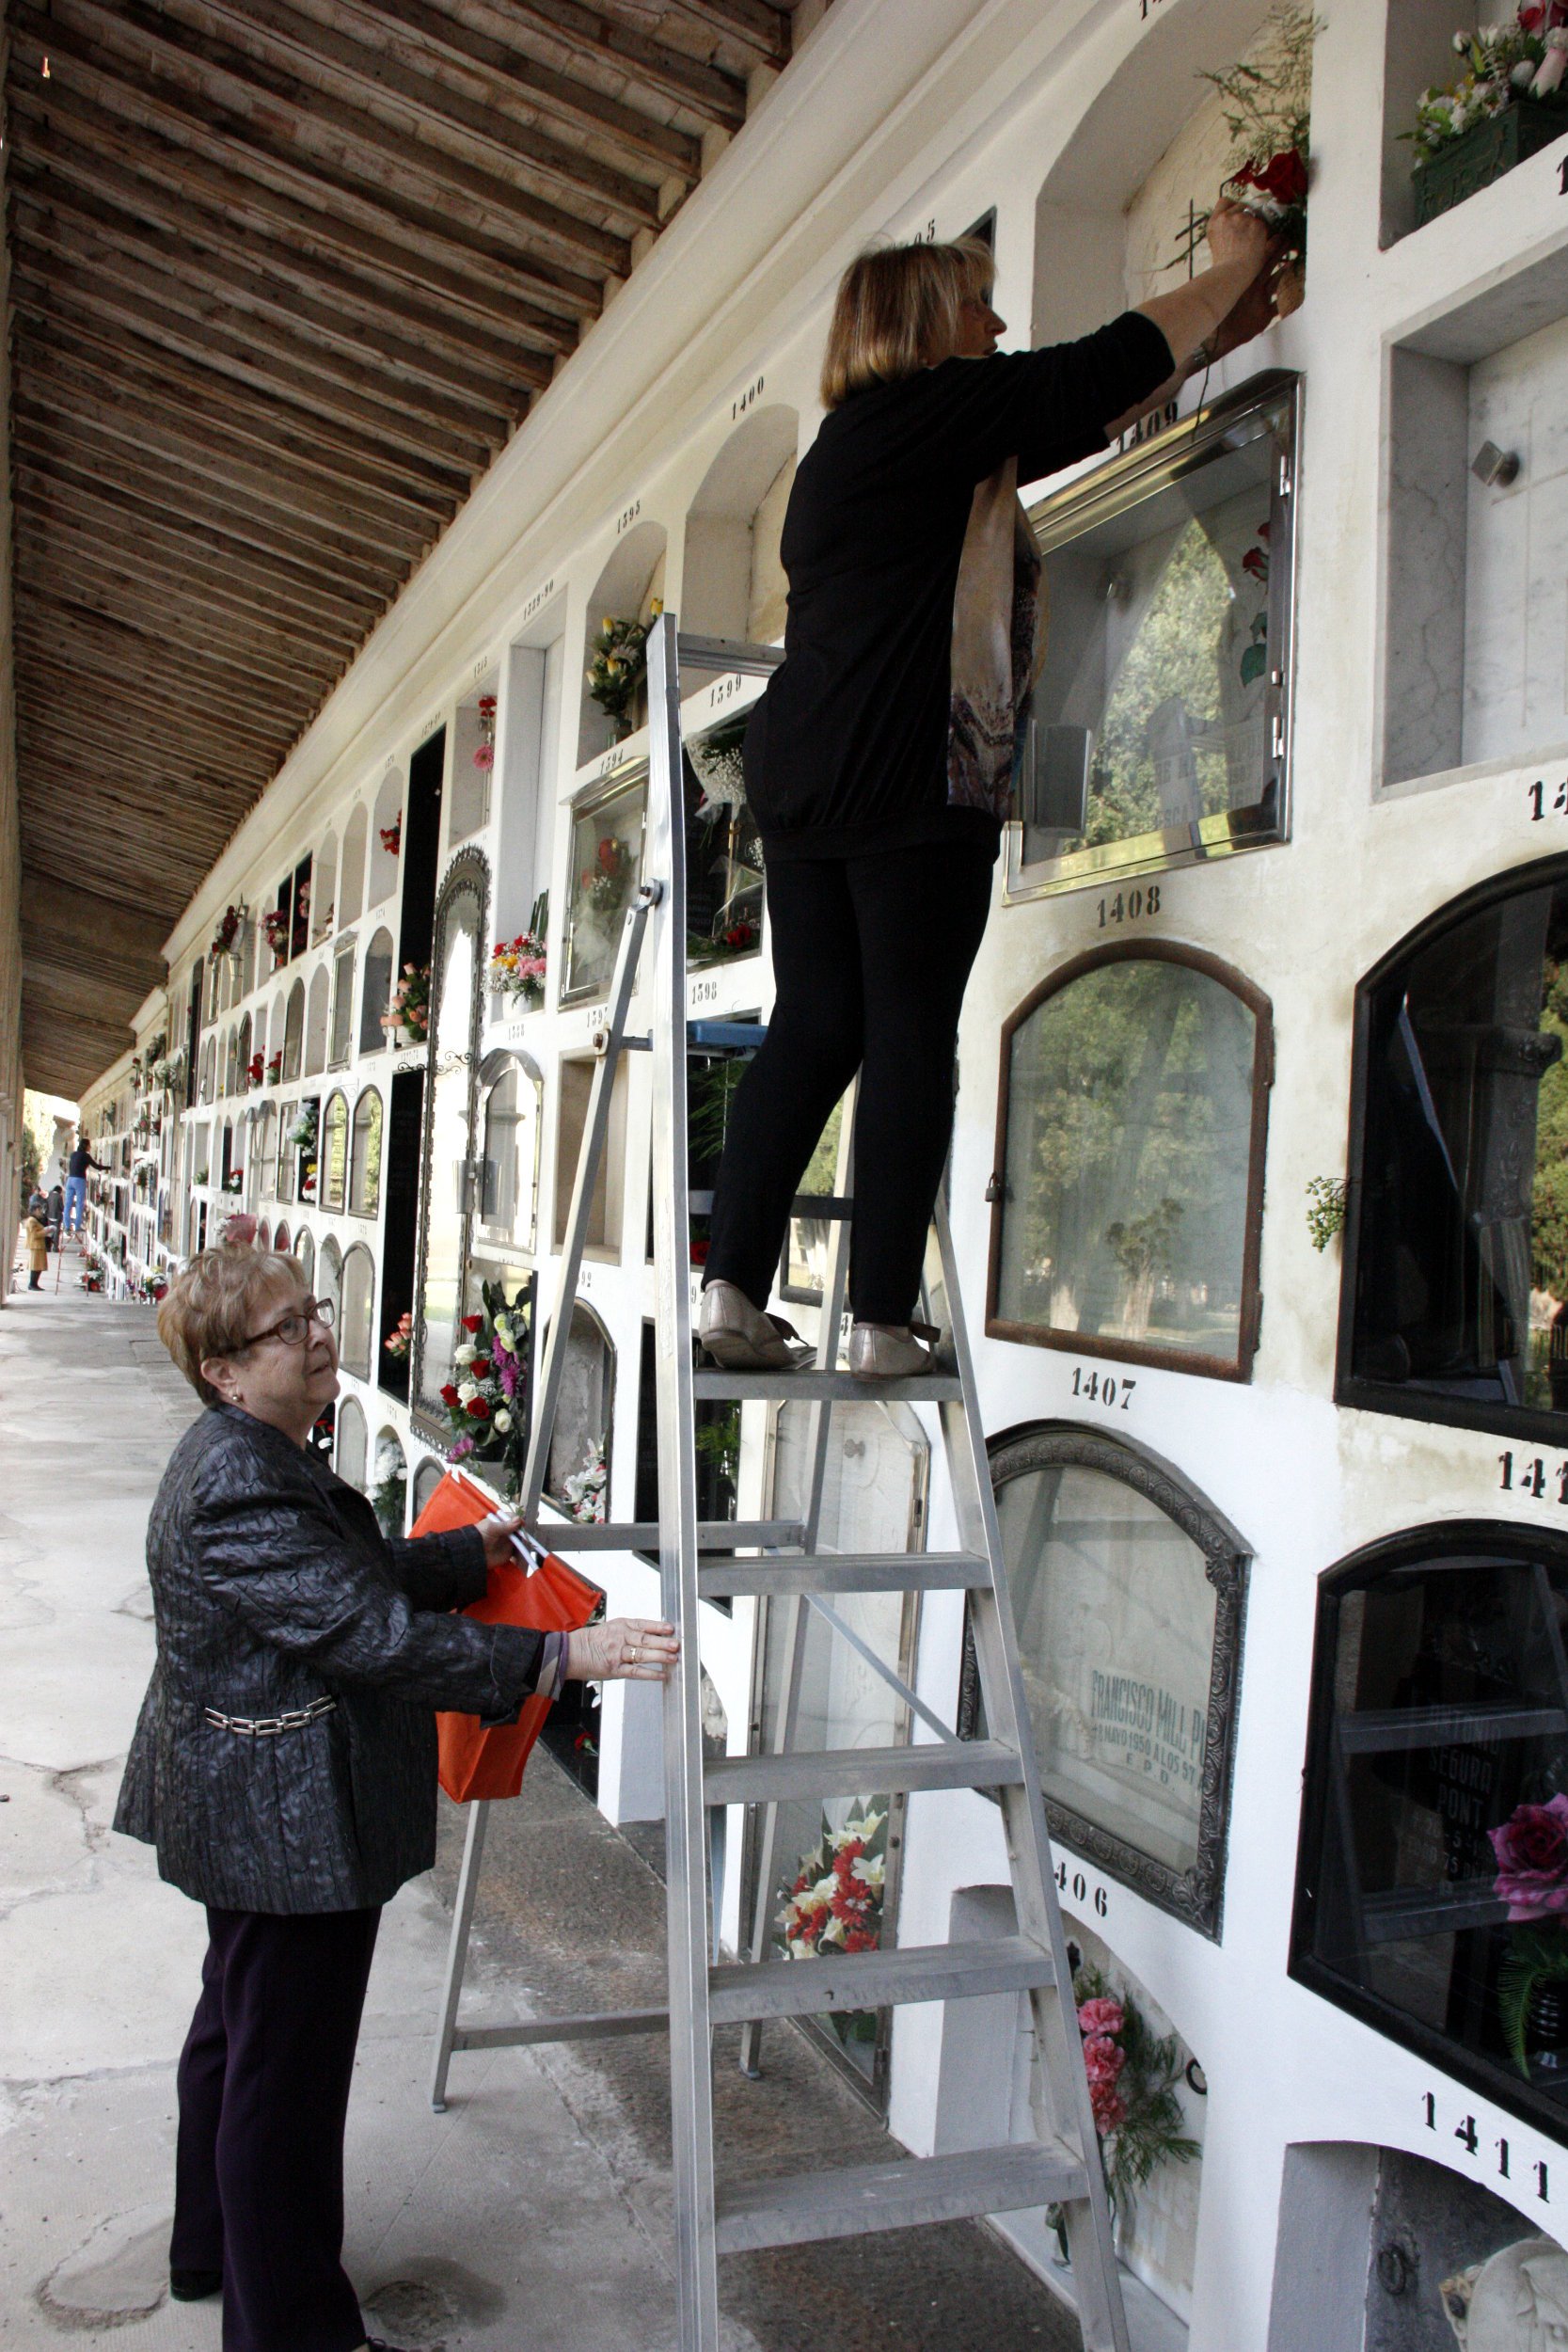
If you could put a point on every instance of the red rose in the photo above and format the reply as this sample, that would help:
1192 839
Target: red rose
479 1410
699 1253
608 848
449 1396
473 1323
479 1367
1283 177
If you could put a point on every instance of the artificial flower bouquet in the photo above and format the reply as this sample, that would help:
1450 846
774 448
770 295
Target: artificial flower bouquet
226 938
484 750
391 835
606 883
487 1398
253 1071
406 1020
1522 57
583 1493
618 664
517 968
302 1135
390 1494
1133 2074
275 1067
835 1901
274 926
1532 1851
234 1181
399 1340
1266 101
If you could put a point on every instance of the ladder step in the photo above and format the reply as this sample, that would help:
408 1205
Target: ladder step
566 1535
728 652
839 1388
862 1771
919 1972
896 2195
602 2025
848 1572
824 1205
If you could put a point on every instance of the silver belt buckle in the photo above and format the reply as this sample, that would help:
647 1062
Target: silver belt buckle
268 1727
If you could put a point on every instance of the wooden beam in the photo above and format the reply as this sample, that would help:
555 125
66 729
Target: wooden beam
46 353
148 154
73 450
761 31
282 586
48 687
180 65
703 91
256 704
86 201
73 567
137 797
286 670
318 379
334 60
298 494
413 27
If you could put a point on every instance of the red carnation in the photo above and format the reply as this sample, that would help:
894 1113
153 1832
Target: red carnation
449 1396
473 1323
479 1409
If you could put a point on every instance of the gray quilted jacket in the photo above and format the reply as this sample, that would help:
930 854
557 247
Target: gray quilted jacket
273 1586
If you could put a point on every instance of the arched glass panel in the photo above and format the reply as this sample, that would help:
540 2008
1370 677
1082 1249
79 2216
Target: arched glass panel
334 1152
208 1067
356 1330
364 1189
304 1250
1128 1596
509 1128
343 1006
351 877
455 1010
389 1483
1456 1274
352 1440
386 840
579 1470
376 992
242 1057
315 1021
263 1238
1134 1113
426 1479
607 866
1433 1881
323 911
280 1240
329 1276
293 1032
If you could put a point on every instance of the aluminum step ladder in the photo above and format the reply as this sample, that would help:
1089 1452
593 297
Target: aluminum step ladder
780 1559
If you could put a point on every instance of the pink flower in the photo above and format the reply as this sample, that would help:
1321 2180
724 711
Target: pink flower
1531 1848
464 1445
1549 73
1109 2112
1103 2062
484 756
1101 2016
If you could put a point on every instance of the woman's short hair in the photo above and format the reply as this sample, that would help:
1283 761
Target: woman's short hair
210 1309
897 311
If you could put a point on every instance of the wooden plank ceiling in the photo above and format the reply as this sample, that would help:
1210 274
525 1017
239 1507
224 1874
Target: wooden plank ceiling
285 276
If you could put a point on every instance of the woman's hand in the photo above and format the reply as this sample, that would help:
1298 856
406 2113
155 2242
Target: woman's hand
496 1533
633 1650
1238 237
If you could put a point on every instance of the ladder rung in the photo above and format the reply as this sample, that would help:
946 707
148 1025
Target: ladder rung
728 652
601 2027
862 1771
925 1388
897 2196
567 1535
919 1972
818 1204
848 1572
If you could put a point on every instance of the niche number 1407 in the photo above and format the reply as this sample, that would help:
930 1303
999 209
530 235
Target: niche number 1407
1102 1389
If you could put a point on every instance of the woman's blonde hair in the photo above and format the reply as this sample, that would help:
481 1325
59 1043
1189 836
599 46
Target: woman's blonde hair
897 311
210 1307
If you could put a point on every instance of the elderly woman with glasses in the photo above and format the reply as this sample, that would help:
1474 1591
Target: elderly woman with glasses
284 1767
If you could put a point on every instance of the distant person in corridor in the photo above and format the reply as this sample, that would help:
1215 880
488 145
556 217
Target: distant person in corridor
878 762
76 1183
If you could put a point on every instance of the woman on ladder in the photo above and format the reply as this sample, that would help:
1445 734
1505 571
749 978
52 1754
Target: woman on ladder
878 762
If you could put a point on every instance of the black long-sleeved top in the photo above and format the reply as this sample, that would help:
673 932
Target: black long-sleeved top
272 1587
847 748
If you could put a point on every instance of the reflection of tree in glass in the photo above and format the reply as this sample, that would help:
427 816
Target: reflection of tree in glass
1549 1193
1176 657
1128 1147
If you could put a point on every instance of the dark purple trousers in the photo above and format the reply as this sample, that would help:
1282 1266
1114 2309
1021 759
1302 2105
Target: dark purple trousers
263 2097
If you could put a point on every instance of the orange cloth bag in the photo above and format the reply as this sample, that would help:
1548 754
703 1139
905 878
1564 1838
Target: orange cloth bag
550 1598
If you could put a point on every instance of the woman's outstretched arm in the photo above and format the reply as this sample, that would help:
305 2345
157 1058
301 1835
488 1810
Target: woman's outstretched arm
1222 306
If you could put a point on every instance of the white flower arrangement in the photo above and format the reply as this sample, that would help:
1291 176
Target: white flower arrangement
583 1493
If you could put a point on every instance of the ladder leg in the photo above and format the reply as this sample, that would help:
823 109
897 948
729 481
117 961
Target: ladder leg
818 1429
457 1949
685 1827
1059 2086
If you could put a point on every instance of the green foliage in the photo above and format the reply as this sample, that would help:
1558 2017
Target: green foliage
717 1443
1549 1197
711 1090
1175 656
1539 1956
1151 2131
1326 1216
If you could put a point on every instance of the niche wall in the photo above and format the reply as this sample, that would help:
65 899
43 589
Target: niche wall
732 580
632 577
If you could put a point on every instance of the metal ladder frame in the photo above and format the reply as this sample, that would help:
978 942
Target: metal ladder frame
777 1559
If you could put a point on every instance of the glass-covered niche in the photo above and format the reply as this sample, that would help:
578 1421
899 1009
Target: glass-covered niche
1161 726
1128 1199
456 1007
364 1178
723 849
576 1476
356 1319
511 1108
1455 1294
1129 1597
1435 1834
605 870
874 1499
334 1151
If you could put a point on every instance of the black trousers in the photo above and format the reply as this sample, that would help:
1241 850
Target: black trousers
263 2096
871 956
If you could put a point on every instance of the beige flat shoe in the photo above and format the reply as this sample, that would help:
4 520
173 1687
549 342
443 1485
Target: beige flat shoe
891 1351
741 1338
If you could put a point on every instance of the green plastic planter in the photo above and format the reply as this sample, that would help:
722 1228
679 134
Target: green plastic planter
1484 153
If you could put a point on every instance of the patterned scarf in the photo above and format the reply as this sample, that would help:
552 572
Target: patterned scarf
999 616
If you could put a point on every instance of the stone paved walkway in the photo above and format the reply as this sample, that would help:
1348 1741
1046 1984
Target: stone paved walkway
533 2215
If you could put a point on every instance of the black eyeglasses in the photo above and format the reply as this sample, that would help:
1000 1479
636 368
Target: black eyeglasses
293 1330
